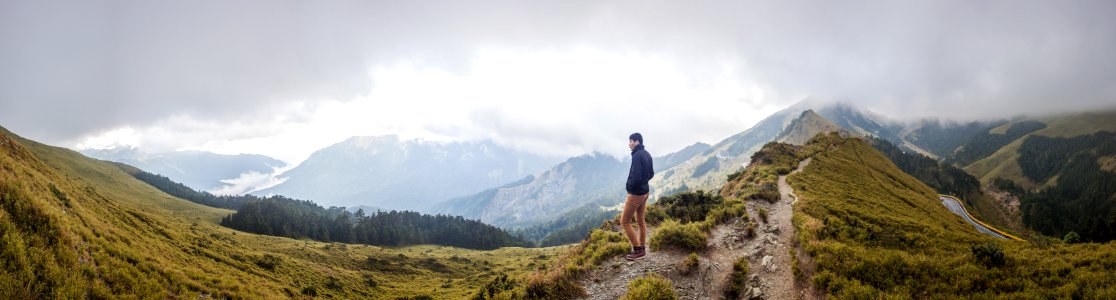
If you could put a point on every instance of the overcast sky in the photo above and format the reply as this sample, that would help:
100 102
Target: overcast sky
284 78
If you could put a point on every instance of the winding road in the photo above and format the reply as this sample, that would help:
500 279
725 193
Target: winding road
954 205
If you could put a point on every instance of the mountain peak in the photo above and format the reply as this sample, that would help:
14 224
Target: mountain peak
806 126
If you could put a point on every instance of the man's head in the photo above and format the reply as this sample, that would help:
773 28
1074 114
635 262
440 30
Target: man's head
634 140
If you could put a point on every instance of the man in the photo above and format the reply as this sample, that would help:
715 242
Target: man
638 190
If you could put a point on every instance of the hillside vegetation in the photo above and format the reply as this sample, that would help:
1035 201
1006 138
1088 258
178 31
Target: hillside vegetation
1082 198
1004 162
948 179
984 144
874 231
73 227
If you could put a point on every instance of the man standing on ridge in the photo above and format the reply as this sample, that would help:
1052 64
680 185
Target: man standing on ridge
636 203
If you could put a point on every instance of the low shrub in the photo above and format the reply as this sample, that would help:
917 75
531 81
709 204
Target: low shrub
650 287
738 280
795 268
727 212
672 234
989 254
653 216
268 261
767 191
690 264
689 206
1072 238
601 245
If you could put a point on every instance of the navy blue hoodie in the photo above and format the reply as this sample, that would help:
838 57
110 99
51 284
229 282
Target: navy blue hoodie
640 173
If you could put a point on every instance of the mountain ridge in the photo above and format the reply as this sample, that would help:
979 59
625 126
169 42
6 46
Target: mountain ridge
393 173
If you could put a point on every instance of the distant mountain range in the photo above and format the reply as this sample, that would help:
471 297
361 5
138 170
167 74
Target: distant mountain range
391 173
518 190
708 170
196 169
596 179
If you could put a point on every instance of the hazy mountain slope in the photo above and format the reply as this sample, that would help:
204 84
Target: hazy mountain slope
859 120
940 139
75 227
196 169
709 170
588 180
390 173
1004 162
873 231
806 126
595 178
673 159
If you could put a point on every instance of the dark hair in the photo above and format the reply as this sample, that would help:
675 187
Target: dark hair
636 137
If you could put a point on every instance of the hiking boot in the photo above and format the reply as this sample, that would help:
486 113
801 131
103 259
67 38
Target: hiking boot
637 253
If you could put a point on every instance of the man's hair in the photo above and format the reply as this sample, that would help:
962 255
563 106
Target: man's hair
636 137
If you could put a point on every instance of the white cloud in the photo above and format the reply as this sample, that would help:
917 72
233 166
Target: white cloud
559 76
552 102
251 181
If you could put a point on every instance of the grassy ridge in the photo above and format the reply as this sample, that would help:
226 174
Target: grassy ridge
73 227
874 231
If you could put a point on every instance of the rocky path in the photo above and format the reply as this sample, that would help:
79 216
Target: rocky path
610 281
768 254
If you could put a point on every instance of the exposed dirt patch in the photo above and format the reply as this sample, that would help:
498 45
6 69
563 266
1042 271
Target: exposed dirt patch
1006 200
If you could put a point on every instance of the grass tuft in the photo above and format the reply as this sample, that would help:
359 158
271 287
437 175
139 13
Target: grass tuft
650 287
672 234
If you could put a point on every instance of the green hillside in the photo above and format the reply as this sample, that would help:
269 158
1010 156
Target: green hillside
74 227
873 231
1005 161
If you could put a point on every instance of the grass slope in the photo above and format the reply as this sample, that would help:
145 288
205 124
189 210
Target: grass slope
1004 162
874 231
76 227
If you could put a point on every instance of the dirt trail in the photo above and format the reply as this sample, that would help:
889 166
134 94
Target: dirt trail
778 280
770 275
610 280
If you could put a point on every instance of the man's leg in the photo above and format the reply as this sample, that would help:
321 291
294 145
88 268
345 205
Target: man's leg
640 212
630 209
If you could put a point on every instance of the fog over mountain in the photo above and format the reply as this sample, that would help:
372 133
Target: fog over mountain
392 173
205 171
286 78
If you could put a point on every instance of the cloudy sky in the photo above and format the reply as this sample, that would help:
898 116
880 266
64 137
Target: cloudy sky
284 78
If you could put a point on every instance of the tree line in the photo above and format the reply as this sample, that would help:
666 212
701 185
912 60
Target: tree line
282 216
1082 199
